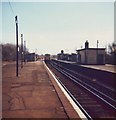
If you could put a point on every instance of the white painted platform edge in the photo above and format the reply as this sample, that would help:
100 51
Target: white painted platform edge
77 109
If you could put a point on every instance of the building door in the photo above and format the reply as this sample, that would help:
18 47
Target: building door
100 59
79 58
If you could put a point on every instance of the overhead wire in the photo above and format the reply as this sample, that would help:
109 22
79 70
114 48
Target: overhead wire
11 7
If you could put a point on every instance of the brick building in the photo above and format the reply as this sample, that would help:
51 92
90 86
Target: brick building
91 55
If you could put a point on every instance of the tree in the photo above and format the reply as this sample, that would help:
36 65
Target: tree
9 52
111 56
112 48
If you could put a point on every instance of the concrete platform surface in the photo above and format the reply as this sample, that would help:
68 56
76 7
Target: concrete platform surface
32 94
106 67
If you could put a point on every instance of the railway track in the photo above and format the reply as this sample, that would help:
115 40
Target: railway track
94 99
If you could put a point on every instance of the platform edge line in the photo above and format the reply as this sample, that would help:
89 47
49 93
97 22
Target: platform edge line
76 108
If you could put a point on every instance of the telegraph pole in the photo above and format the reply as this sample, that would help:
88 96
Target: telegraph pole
24 51
16 21
97 50
21 50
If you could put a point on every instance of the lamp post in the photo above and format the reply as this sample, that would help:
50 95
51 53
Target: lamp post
97 51
16 21
21 50
24 51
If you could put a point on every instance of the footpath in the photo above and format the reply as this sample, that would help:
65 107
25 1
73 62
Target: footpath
33 94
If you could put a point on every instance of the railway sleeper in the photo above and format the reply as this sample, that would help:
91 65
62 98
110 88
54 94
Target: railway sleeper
88 102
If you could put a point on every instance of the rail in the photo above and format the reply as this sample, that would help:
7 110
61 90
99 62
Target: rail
87 87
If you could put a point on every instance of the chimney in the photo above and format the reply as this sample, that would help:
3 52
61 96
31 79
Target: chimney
86 44
62 51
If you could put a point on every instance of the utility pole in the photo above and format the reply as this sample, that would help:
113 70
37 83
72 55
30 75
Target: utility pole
97 50
25 51
21 50
16 21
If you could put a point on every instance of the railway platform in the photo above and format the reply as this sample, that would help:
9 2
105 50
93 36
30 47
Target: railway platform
106 67
33 94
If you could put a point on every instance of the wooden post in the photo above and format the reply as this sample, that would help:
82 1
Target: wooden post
97 51
16 21
25 51
21 50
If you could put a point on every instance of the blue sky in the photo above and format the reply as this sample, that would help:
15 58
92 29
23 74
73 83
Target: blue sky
52 26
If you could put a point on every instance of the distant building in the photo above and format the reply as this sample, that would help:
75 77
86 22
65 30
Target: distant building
30 57
68 57
74 57
61 56
91 55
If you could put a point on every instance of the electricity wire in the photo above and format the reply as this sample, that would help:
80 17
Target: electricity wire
11 7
